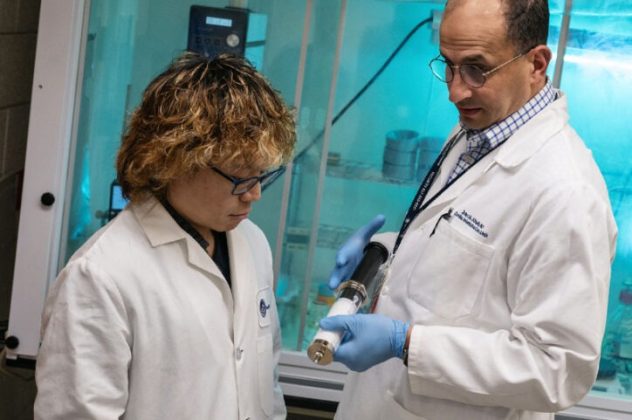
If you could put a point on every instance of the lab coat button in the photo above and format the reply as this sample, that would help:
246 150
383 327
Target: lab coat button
238 352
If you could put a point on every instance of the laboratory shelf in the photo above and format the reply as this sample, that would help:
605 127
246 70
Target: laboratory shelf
329 236
356 170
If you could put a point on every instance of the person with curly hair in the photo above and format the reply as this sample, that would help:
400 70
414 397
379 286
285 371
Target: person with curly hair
168 311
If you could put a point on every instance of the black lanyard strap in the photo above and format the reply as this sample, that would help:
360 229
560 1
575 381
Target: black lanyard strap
418 205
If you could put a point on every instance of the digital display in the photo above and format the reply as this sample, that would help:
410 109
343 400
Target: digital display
213 20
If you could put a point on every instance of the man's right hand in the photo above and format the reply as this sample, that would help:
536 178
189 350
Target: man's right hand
351 252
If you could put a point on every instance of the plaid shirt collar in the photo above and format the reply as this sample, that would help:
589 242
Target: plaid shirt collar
480 142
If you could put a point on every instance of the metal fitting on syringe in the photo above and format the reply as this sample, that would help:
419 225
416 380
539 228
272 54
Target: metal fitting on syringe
351 295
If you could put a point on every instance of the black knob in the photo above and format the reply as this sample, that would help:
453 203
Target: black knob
12 342
47 199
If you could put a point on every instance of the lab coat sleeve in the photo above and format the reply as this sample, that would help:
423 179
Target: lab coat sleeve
82 366
558 273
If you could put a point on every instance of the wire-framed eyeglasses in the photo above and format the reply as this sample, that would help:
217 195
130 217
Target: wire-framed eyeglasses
243 185
471 74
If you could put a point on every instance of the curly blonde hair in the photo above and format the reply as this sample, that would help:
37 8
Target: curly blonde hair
202 112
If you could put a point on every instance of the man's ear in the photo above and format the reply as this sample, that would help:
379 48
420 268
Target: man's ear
540 59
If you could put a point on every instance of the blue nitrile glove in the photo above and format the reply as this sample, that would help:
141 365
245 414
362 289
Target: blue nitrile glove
351 252
368 339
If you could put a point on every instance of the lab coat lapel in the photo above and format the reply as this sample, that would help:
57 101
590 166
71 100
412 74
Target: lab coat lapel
526 141
161 229
444 199
200 259
243 280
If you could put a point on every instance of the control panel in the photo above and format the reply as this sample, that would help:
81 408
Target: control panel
214 30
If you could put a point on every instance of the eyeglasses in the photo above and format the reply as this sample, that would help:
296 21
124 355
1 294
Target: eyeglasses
243 185
471 74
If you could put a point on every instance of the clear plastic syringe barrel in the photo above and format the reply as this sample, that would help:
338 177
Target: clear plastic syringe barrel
352 294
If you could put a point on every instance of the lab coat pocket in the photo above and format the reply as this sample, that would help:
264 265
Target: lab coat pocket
266 373
392 410
448 276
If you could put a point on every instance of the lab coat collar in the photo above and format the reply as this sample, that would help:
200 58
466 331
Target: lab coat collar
534 134
161 229
518 148
157 223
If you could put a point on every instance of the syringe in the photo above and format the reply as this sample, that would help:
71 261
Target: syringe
351 295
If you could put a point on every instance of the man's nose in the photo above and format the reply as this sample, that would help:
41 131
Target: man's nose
458 89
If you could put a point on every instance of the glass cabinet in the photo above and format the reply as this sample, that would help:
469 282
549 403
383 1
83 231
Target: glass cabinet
597 76
371 118
341 177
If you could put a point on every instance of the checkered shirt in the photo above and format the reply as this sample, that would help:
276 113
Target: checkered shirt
480 142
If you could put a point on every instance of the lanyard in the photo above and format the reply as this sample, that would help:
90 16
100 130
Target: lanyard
416 206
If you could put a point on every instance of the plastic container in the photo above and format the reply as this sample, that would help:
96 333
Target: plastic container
400 155
429 149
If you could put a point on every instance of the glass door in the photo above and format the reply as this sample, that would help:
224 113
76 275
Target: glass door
387 123
389 119
128 43
385 96
597 76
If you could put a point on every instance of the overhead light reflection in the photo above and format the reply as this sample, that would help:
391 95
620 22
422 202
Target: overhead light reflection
609 62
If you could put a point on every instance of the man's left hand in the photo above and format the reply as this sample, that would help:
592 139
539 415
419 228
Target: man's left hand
368 339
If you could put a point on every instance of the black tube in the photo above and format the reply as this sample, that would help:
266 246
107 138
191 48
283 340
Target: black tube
375 254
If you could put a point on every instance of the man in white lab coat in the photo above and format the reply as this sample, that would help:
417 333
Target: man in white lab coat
494 304
168 312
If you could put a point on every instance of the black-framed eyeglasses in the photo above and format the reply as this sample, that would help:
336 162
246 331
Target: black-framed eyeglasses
243 185
471 74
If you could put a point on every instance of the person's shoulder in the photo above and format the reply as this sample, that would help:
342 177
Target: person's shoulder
120 238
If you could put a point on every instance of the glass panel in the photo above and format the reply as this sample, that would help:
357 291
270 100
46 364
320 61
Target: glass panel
294 285
366 174
556 10
128 43
382 141
597 78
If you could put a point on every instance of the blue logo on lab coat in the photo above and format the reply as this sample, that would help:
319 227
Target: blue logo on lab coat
263 308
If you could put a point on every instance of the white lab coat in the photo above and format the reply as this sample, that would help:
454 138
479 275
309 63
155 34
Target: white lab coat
141 325
508 297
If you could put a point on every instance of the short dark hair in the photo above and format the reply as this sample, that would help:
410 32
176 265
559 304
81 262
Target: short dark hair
201 112
527 23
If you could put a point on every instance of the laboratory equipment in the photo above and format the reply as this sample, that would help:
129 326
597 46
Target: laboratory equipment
117 201
351 295
429 149
214 30
618 340
95 57
400 154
